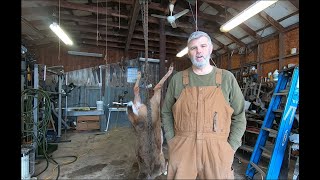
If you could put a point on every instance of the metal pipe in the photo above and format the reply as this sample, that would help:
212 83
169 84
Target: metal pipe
35 108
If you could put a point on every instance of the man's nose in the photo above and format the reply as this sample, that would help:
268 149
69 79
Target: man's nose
199 51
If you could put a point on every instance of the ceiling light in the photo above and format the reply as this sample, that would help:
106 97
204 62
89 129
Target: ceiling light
78 53
60 33
182 52
252 10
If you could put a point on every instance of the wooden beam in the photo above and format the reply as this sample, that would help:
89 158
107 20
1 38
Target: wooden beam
176 34
295 3
243 26
200 15
162 56
109 39
132 25
156 6
248 30
124 34
238 5
92 21
120 40
281 50
273 22
236 40
24 21
220 44
82 7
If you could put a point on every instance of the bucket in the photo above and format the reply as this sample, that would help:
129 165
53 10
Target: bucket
100 105
293 50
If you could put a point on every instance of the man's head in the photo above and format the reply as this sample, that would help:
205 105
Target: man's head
199 48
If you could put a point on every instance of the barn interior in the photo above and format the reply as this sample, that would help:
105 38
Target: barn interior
74 96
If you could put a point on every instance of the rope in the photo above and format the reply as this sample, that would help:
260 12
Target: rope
145 35
97 23
196 15
119 14
106 56
193 15
59 38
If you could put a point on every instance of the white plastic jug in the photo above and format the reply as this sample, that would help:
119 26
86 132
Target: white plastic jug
275 75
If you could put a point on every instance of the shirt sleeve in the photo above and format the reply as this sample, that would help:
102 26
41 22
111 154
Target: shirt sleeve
166 111
238 119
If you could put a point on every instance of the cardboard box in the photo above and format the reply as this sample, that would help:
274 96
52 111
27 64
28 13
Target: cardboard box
88 118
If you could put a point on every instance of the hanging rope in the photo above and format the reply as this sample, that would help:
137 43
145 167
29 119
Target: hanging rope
106 56
59 38
97 23
119 14
196 15
145 36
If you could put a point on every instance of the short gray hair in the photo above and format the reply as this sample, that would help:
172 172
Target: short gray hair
198 34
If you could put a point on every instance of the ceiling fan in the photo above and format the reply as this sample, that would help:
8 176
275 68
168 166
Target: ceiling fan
172 18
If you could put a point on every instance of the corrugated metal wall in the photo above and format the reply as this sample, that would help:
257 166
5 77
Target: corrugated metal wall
115 84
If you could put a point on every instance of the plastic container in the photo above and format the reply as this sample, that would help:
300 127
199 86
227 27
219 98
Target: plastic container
100 105
275 75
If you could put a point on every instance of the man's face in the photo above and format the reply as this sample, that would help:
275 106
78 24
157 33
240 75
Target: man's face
199 51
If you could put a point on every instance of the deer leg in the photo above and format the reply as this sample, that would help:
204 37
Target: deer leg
164 78
137 98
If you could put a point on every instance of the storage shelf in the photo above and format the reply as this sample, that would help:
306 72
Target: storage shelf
290 55
277 58
250 149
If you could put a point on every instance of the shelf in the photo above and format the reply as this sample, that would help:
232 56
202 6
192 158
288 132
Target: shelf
290 55
250 149
257 131
250 64
277 58
248 75
270 60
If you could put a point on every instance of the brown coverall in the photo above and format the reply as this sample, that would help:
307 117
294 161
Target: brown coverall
202 120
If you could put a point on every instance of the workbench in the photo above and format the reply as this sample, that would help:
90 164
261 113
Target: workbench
99 113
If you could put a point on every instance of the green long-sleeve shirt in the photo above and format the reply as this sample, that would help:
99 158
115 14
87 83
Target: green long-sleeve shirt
231 91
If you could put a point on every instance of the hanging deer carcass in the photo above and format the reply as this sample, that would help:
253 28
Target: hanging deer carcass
149 136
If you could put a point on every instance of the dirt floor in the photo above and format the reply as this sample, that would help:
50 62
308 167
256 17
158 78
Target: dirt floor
111 155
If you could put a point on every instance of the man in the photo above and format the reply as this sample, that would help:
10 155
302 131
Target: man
203 117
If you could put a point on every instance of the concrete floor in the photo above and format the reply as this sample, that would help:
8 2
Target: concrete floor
111 155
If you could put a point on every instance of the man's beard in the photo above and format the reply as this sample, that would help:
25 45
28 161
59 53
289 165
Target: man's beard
200 64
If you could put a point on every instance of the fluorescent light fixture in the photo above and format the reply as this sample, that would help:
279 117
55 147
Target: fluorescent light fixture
150 60
78 53
182 52
60 33
252 10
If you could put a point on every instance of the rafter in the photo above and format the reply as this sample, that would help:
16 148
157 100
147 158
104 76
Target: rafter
273 22
83 7
132 25
236 40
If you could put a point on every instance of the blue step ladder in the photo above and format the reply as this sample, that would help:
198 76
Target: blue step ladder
287 85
